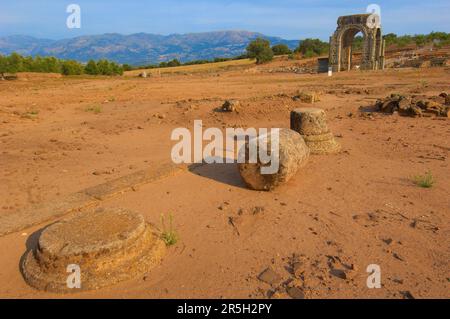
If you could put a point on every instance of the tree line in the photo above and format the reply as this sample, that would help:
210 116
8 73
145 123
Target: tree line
14 63
437 39
260 49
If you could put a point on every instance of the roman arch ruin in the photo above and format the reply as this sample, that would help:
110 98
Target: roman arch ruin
341 51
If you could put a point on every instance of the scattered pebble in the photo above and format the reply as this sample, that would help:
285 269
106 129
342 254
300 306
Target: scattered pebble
270 277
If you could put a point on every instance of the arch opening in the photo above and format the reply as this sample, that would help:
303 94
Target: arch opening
352 46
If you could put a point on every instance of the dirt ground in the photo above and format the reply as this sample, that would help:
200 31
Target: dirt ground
59 135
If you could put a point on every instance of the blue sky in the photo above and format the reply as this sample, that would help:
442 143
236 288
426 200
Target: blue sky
290 19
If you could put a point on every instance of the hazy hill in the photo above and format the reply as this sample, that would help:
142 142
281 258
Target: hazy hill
139 48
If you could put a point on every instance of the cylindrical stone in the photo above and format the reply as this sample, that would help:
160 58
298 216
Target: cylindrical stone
293 154
309 121
108 247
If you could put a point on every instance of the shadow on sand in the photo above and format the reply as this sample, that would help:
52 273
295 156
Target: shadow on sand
222 173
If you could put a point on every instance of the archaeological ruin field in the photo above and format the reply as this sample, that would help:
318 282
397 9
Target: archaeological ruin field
90 144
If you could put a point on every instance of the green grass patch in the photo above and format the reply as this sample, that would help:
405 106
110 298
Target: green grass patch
30 114
168 234
424 83
425 181
96 109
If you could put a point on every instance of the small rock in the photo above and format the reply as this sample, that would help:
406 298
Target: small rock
295 293
339 273
297 269
434 107
415 110
231 106
103 172
388 106
307 97
407 295
396 256
277 295
404 105
258 210
270 277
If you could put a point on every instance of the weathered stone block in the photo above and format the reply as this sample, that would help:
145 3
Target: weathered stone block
293 154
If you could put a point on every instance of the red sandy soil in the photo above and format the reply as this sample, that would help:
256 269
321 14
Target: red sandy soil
343 212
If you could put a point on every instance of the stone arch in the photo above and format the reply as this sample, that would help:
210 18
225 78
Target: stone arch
372 57
345 40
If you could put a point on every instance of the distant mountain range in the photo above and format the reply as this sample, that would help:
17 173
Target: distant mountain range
139 48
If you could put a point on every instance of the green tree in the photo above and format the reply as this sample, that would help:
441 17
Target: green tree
309 54
104 67
15 63
260 50
405 40
358 43
11 64
115 69
71 67
281 49
39 64
91 68
3 67
390 38
313 47
221 59
28 64
173 63
420 40
127 67
51 65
